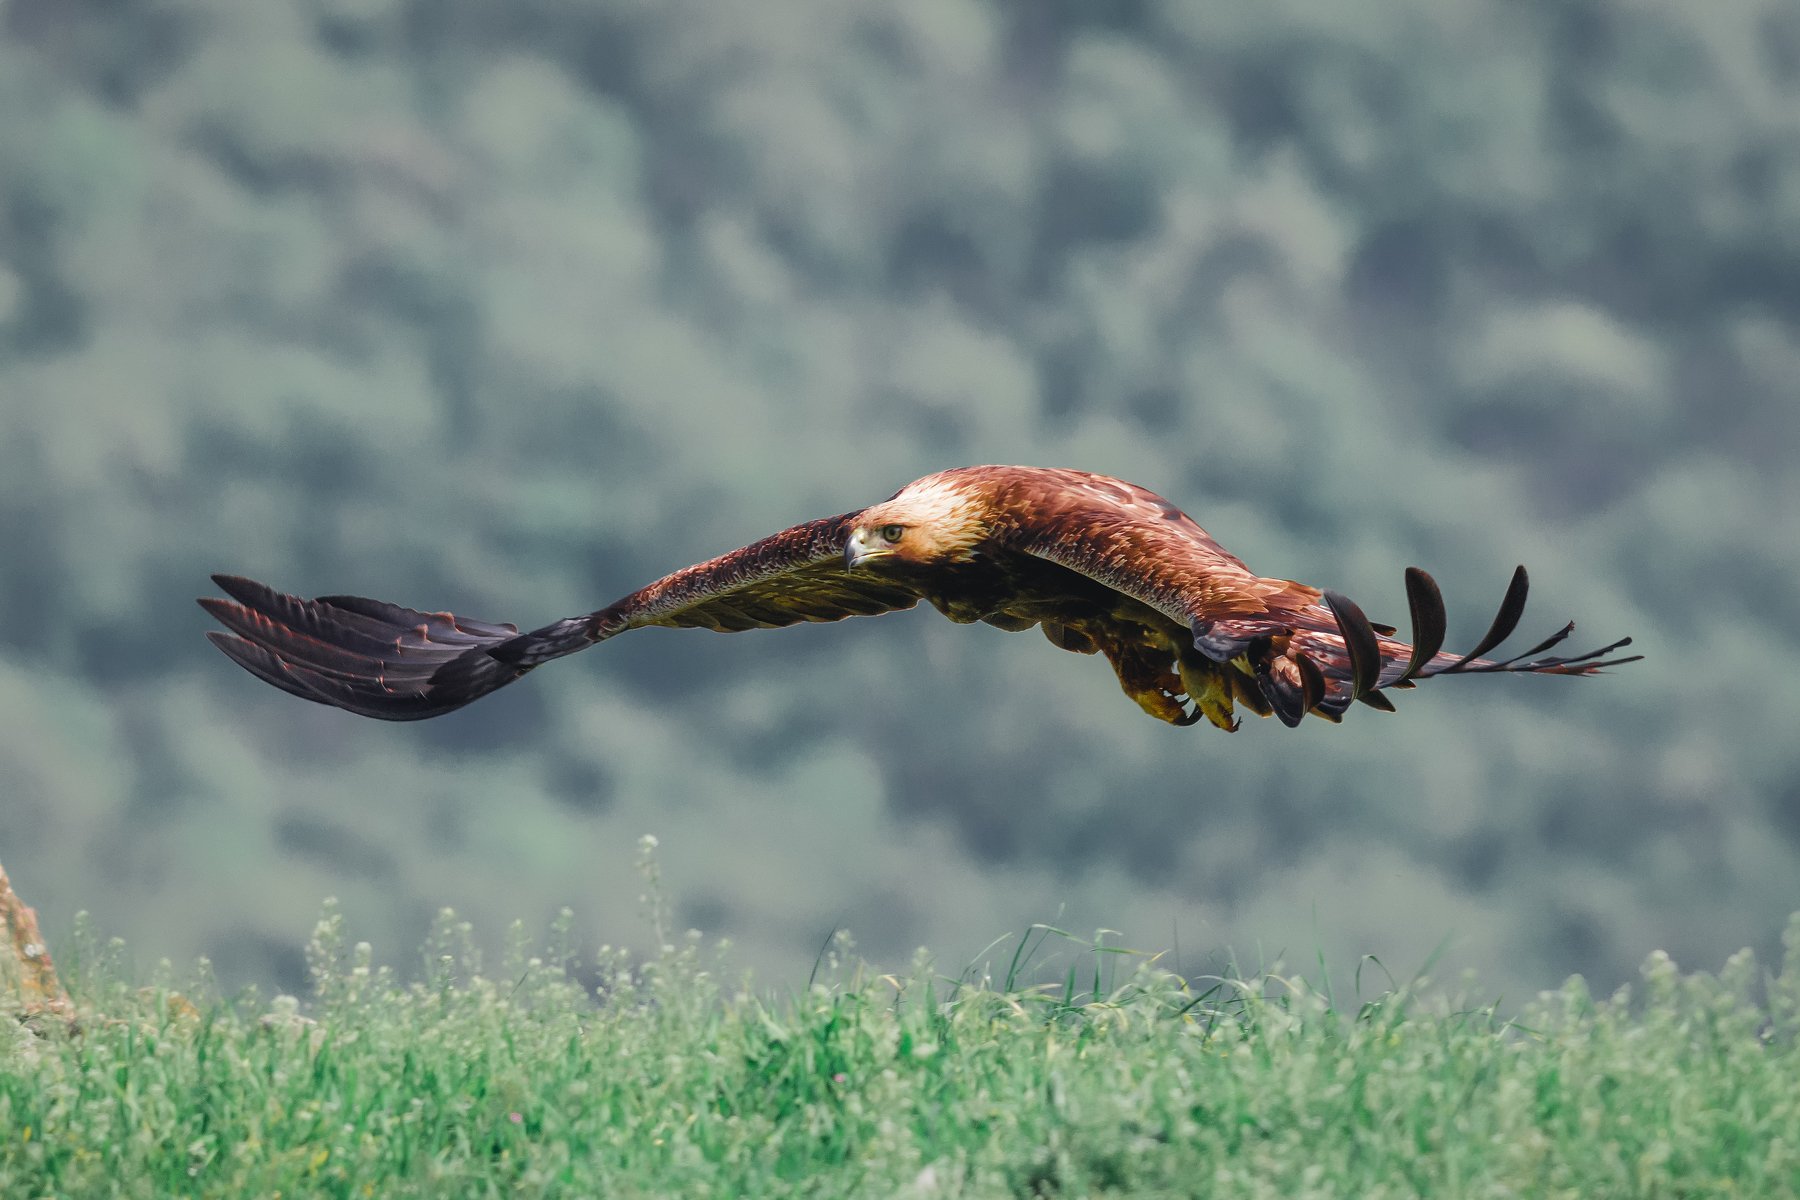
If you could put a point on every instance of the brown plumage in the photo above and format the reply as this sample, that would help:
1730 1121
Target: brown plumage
1100 565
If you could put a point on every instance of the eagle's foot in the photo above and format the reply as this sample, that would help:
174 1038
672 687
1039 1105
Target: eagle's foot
1166 696
1144 675
1165 703
1209 688
1155 688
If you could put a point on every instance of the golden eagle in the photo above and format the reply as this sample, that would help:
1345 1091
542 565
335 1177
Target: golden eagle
1100 565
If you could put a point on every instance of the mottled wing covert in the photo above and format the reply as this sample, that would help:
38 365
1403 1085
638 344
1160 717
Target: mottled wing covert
1139 544
789 577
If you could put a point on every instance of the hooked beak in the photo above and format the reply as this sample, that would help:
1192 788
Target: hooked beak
858 549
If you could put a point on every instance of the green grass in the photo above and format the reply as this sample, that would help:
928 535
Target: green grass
1111 1078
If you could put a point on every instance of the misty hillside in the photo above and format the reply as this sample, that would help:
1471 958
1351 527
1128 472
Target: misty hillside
511 308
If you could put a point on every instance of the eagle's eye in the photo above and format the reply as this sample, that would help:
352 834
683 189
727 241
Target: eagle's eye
892 533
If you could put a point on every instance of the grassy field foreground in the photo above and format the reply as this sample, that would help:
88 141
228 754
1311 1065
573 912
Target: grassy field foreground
1116 1078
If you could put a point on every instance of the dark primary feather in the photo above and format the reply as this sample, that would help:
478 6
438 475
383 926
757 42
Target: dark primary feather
1512 607
363 655
1429 629
1359 642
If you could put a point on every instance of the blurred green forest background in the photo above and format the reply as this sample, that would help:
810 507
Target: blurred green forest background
509 307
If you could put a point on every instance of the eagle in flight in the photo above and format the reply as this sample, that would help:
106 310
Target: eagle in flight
1100 565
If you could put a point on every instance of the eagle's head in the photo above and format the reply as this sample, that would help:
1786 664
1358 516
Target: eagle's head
937 519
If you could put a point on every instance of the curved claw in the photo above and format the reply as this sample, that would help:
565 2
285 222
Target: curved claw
1186 719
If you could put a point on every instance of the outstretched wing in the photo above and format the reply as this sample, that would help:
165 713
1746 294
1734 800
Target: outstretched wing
400 664
792 576
1355 659
1305 650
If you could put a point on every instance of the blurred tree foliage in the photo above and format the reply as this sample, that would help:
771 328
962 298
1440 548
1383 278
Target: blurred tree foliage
511 307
